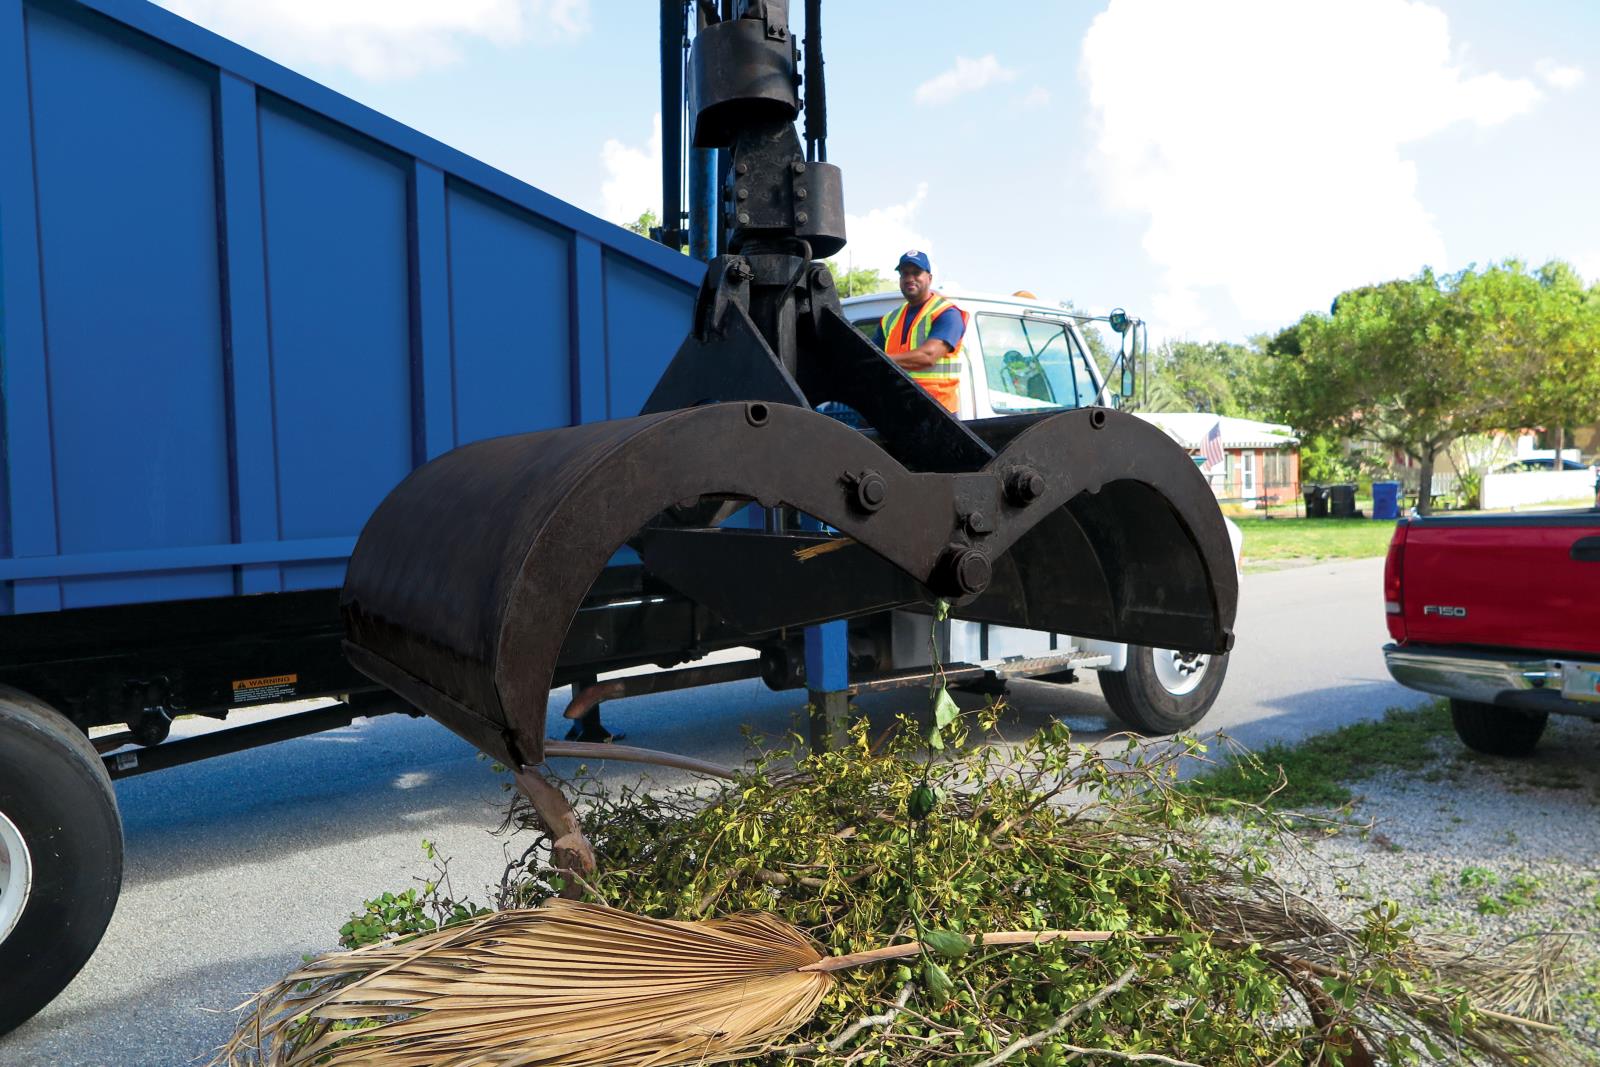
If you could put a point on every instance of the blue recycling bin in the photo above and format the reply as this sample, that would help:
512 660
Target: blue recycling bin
1386 500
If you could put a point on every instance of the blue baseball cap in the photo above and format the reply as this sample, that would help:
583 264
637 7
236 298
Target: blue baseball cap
915 259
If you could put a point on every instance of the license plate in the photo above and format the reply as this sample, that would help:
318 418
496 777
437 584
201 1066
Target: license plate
1580 681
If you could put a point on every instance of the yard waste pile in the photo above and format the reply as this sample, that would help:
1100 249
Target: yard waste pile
1033 903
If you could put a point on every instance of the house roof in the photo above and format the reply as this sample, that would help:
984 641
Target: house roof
1189 429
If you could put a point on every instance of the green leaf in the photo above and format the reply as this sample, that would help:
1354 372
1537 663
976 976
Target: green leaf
921 802
945 709
941 610
937 983
946 943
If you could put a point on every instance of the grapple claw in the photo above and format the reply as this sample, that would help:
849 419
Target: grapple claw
466 580
483 580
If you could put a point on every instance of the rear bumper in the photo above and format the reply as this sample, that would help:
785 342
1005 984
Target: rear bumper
1529 684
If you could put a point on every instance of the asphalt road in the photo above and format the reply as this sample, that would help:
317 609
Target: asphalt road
239 865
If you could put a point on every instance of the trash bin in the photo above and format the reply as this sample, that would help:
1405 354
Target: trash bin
1316 497
1386 500
1342 501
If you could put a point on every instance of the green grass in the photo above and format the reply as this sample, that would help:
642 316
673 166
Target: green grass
1290 538
1318 770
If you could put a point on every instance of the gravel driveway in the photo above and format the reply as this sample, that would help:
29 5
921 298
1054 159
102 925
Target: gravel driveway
1478 845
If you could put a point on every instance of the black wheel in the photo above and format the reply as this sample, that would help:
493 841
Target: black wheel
60 854
1163 691
1497 731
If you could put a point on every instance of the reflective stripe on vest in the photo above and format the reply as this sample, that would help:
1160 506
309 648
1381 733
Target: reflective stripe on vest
942 381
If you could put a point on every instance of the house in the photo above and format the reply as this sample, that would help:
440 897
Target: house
1261 460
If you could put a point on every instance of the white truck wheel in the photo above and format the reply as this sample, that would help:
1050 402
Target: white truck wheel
1163 691
60 854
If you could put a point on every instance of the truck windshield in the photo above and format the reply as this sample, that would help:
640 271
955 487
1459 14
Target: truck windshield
1033 363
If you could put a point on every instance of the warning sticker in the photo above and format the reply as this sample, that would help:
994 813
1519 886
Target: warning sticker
258 690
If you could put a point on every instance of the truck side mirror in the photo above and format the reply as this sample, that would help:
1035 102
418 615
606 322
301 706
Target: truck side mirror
1130 362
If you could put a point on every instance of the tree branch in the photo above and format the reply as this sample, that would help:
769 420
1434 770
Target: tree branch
1065 1019
849 1032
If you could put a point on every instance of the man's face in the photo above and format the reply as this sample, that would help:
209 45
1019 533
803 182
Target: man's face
914 283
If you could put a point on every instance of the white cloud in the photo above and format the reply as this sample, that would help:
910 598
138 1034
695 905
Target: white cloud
1558 75
1036 97
967 76
1587 264
383 38
1263 141
633 178
878 238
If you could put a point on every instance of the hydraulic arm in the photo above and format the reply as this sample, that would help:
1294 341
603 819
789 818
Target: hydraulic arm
465 584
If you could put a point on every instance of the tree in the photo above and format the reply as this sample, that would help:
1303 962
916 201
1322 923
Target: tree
1216 376
1410 364
644 224
1547 324
858 282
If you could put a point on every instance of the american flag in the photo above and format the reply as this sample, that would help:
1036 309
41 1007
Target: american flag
1212 446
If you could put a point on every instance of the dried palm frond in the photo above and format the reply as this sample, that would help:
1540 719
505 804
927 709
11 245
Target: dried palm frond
563 985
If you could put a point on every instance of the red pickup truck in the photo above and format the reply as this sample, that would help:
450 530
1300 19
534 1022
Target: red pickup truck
1500 613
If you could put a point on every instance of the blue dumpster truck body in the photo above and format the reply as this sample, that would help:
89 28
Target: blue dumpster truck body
236 308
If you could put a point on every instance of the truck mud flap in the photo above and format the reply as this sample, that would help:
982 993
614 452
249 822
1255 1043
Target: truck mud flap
466 579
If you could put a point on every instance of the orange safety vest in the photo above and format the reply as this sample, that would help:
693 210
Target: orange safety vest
942 381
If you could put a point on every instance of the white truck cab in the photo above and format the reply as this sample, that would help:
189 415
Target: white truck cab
1021 355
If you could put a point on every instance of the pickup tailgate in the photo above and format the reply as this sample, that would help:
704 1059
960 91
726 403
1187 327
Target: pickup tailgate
1513 581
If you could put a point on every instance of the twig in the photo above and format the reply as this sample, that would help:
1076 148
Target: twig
1427 998
1002 937
822 547
628 754
849 1032
873 1021
568 872
1063 1020
1129 1057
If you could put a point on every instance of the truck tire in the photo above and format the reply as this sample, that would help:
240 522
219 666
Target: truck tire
60 854
1163 691
1497 731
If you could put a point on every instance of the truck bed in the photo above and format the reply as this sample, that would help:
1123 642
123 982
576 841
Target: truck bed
237 308
1526 582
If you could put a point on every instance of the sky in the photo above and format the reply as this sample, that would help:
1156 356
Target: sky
1216 168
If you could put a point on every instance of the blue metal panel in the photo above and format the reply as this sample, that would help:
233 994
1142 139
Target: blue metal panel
163 25
30 526
509 319
647 317
236 308
124 158
249 353
430 310
339 289
588 330
175 559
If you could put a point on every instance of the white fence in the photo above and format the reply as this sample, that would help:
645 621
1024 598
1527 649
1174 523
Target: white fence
1536 487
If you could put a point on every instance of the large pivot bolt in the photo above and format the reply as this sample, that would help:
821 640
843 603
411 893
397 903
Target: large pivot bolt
868 490
1024 485
961 572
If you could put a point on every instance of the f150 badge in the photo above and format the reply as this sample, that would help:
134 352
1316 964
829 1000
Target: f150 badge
1445 611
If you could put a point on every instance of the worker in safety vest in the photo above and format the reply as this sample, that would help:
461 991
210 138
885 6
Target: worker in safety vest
923 336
